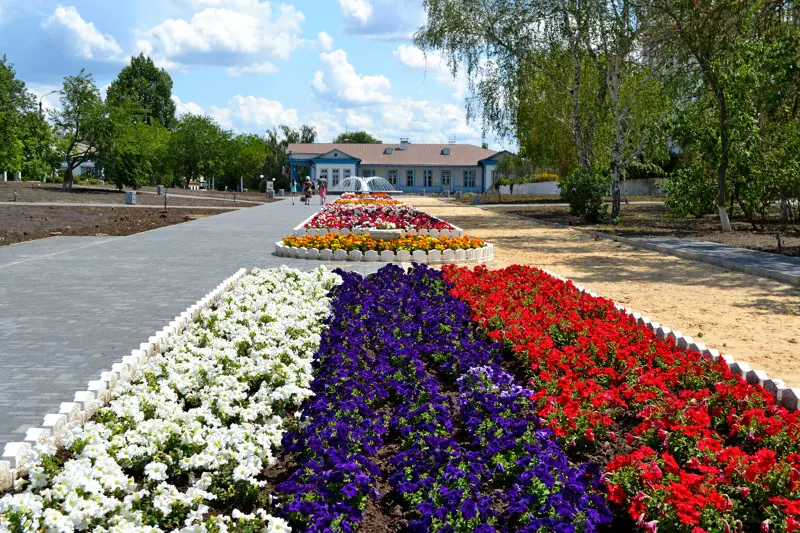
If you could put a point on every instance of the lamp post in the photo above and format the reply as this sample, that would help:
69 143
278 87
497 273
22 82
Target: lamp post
41 110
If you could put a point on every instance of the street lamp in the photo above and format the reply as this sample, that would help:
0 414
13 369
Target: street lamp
41 111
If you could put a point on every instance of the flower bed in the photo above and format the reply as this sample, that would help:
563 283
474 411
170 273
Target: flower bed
690 446
375 198
182 446
417 248
382 425
335 217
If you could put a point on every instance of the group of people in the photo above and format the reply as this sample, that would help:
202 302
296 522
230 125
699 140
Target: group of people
308 190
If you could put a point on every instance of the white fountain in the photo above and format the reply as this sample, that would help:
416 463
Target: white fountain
365 185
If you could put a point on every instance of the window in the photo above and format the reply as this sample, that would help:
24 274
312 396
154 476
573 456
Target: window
428 175
388 151
446 174
368 173
347 173
393 178
409 178
335 173
469 178
323 173
445 151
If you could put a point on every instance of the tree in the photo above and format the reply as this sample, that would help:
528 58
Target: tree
14 102
40 150
513 170
586 53
80 122
148 86
703 36
277 157
356 137
244 161
198 145
129 147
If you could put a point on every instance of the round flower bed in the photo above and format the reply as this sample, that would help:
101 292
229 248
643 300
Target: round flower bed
382 216
375 198
352 247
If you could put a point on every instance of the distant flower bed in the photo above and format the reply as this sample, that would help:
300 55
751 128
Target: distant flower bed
364 242
375 198
379 216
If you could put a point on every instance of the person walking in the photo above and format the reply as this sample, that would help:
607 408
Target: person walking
294 189
322 183
307 191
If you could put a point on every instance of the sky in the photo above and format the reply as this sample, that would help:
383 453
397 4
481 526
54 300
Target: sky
338 65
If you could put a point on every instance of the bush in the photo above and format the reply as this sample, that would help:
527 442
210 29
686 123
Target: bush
584 190
691 192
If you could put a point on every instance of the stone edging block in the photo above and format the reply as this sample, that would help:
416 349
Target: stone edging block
479 255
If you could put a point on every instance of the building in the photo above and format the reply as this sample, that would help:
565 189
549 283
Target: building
407 167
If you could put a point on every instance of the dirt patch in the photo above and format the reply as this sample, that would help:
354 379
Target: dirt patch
651 220
754 319
25 223
53 193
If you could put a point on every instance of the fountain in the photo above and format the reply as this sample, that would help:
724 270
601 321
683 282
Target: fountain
365 185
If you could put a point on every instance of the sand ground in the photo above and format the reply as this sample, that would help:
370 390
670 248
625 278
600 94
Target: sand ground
754 319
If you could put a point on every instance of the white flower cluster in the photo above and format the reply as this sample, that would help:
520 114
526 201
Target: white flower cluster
196 427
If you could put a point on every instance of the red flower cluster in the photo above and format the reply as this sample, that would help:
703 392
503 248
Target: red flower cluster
707 451
400 216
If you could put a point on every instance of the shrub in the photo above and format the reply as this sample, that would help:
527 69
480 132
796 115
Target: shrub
544 177
584 190
691 192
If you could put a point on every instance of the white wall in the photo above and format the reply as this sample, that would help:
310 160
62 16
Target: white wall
456 175
645 187
330 167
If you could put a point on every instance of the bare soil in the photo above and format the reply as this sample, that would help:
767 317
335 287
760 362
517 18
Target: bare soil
53 193
25 223
511 199
654 221
754 319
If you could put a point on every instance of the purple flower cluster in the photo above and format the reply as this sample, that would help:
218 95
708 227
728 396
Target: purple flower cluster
480 462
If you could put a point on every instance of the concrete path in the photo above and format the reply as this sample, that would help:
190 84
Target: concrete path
70 307
773 266
77 204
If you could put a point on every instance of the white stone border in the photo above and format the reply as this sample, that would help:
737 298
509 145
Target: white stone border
101 391
786 396
301 230
433 257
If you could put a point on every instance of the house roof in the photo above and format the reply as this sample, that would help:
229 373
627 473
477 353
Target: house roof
402 154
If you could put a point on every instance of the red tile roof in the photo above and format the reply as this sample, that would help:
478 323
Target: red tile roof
416 154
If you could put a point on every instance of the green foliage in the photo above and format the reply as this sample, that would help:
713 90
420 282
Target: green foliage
512 170
147 86
584 190
244 160
691 192
197 145
277 142
129 146
40 150
14 103
80 123
356 137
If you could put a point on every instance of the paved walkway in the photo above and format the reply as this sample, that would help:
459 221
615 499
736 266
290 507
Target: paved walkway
773 266
70 307
85 204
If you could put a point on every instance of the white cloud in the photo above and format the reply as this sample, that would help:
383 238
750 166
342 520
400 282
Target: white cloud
325 41
318 83
258 68
229 32
433 63
360 10
89 42
183 108
252 113
348 87
383 19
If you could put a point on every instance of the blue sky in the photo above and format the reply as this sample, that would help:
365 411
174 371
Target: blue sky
252 65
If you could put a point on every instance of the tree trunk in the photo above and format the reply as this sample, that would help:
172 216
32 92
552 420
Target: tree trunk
68 179
616 196
722 169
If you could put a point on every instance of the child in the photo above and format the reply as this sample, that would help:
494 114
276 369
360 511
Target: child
323 191
307 191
